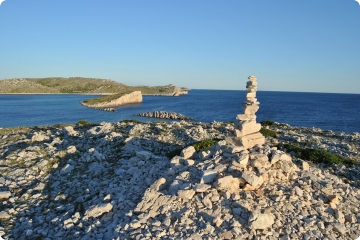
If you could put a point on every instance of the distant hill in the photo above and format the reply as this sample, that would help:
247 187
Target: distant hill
81 86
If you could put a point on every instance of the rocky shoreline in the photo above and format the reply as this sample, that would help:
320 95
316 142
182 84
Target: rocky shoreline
165 115
123 180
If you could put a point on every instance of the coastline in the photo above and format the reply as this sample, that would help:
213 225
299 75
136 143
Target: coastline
132 177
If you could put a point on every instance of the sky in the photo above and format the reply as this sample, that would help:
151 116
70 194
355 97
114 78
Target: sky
301 46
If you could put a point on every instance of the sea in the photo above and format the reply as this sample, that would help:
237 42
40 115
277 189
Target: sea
328 111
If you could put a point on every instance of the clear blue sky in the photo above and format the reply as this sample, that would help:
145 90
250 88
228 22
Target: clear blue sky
304 45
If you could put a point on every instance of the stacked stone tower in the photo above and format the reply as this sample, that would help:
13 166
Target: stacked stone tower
247 130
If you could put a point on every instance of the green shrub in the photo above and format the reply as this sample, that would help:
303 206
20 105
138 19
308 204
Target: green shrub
204 144
174 153
267 123
130 121
199 146
268 133
318 155
84 122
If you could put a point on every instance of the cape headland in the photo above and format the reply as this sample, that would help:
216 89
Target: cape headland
79 85
114 100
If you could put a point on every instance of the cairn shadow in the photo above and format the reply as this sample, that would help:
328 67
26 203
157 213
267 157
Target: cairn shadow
105 170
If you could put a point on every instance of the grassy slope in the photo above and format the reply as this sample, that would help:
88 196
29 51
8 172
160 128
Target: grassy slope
76 85
107 98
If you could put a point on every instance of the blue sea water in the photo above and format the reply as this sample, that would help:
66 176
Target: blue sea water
330 111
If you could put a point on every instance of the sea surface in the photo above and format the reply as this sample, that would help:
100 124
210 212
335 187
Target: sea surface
328 111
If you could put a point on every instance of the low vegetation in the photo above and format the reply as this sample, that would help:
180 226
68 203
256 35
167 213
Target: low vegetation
199 146
317 155
83 123
77 85
268 133
267 123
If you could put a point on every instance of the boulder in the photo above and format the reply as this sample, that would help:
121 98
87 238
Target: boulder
252 178
5 195
209 176
186 194
4 215
188 152
98 210
258 220
228 184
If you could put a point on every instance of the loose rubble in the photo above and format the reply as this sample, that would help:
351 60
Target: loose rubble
113 181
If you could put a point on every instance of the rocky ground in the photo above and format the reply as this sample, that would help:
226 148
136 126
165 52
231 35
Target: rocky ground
116 181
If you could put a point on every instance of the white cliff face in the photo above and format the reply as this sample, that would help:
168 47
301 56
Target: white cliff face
134 97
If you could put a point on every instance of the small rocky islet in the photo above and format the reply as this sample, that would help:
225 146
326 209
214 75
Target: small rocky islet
176 180
165 115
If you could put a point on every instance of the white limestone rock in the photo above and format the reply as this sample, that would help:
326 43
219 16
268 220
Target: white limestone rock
228 184
258 220
188 152
98 210
67 169
4 215
5 194
186 194
209 176
252 178
144 155
201 187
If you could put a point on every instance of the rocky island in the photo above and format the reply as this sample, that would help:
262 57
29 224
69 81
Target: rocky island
178 180
165 115
78 85
114 100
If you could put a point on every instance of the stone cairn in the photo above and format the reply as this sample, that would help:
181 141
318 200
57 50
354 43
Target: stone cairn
247 130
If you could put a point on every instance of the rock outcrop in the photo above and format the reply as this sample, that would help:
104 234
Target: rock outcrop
130 98
247 130
169 90
165 115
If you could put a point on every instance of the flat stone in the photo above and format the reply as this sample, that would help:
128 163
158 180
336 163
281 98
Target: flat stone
5 195
340 228
201 187
258 220
251 109
233 149
186 194
246 117
98 210
157 184
228 184
67 169
305 166
209 176
251 178
225 235
4 215
188 152
248 141
249 128
144 155
259 160
339 216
